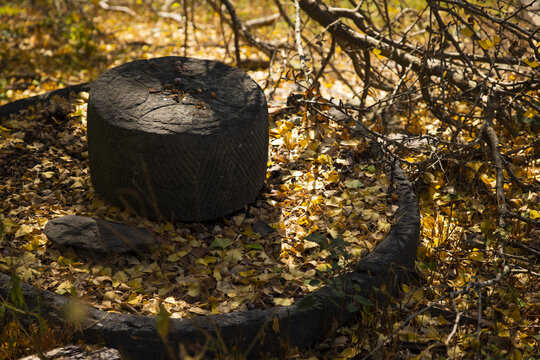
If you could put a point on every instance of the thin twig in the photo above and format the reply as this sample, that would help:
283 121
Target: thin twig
479 323
326 61
186 26
104 4
490 136
456 322
298 39
235 26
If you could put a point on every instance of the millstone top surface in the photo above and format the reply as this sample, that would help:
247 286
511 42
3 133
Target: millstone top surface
172 95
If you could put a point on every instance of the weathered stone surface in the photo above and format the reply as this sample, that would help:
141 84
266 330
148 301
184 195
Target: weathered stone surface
177 138
21 104
74 352
262 228
99 236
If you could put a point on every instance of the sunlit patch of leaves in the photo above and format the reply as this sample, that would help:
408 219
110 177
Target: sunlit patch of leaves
461 243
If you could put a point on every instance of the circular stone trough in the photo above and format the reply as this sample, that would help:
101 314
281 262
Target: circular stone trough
177 138
254 332
250 332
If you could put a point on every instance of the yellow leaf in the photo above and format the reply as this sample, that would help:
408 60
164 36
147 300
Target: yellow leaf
168 227
76 184
109 295
206 260
534 214
324 159
233 256
432 333
283 301
486 179
467 32
515 315
531 113
442 321
485 44
287 140
246 273
367 214
134 298
476 255
121 276
531 62
194 290
24 273
418 294
23 230
176 256
454 352
135 283
249 232
503 330
347 353
516 355
33 244
48 174
179 239
496 40
8 224
63 287
429 178
217 275
377 53
323 267
333 176
334 232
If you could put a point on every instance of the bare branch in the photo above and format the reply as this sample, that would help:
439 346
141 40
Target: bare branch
298 38
104 4
235 26
263 21
490 136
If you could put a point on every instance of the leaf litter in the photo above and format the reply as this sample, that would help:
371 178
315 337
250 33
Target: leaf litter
323 207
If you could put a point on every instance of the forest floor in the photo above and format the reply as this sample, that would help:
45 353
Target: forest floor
322 188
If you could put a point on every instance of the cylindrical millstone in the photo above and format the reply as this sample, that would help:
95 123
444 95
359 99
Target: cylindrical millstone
177 138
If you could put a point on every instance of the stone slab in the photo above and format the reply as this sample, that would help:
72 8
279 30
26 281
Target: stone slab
101 236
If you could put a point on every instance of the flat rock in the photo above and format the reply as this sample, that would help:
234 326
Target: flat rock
99 236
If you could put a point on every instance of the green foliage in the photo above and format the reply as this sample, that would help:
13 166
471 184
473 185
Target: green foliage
19 331
163 322
8 10
307 302
15 293
221 242
354 184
